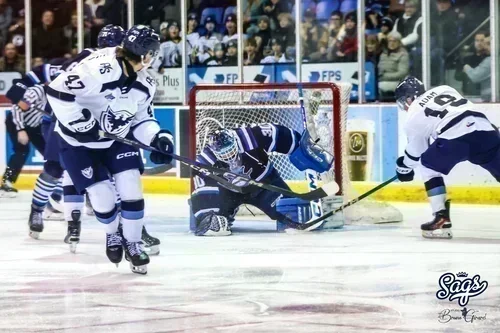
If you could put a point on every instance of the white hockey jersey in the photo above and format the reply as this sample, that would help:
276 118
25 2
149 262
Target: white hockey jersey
119 103
440 112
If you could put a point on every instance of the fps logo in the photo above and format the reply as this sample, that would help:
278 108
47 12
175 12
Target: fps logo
116 122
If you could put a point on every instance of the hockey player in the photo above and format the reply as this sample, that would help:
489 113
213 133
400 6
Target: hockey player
111 91
246 151
443 129
26 122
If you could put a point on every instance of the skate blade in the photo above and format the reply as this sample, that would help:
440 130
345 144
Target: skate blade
153 250
143 269
438 233
34 234
54 217
72 246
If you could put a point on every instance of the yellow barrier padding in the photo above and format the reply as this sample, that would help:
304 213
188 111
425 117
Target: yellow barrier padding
407 192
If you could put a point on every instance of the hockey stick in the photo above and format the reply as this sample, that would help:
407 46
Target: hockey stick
315 224
157 170
326 190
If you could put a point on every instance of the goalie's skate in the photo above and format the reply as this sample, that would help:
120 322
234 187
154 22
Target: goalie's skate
114 247
137 258
440 227
151 244
88 206
74 227
35 223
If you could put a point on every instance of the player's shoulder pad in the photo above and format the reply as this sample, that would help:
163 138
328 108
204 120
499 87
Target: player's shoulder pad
145 79
102 65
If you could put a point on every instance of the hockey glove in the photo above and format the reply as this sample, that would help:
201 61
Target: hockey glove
405 174
85 129
164 142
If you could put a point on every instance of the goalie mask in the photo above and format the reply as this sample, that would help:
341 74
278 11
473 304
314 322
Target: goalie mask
224 146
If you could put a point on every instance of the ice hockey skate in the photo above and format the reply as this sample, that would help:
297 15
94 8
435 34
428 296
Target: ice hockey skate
136 256
114 247
74 227
7 190
35 223
151 244
440 227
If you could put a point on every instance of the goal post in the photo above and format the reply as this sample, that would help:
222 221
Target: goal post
234 105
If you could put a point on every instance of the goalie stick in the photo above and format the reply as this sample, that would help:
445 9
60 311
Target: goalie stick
315 224
326 190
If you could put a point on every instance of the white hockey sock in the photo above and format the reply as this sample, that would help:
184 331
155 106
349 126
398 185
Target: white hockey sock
436 191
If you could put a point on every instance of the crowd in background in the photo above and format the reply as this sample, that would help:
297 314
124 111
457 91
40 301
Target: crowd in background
328 32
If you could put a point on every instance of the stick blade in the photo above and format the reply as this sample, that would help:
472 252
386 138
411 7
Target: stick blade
331 188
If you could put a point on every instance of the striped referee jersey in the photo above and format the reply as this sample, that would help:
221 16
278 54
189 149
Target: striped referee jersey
36 99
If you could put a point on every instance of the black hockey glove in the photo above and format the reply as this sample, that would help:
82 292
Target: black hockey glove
164 142
85 129
404 173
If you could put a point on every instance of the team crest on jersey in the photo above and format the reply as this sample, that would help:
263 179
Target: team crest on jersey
116 122
88 172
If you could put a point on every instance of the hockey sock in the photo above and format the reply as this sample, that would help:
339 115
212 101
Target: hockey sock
110 219
132 213
44 186
436 191
118 199
71 198
58 191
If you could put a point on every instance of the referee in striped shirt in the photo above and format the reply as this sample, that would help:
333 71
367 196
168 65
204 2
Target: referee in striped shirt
23 125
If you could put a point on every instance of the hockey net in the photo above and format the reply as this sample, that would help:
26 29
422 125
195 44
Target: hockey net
326 104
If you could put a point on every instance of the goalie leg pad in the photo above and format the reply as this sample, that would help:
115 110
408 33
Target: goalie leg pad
211 224
311 156
297 210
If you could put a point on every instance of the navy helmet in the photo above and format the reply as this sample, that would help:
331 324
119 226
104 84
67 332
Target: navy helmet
409 88
110 36
223 144
141 41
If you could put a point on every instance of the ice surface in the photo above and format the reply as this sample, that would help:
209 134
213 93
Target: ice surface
370 278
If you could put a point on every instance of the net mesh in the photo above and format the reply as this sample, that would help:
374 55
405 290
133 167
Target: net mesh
326 105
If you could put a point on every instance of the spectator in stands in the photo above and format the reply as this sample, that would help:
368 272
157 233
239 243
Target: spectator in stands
171 49
373 20
251 55
346 49
385 29
5 20
16 33
11 61
482 73
37 61
473 60
393 66
48 41
250 14
192 34
313 33
114 12
372 52
219 56
264 35
232 53
71 34
278 55
409 25
444 26
286 29
163 31
272 8
335 27
231 29
206 43
96 19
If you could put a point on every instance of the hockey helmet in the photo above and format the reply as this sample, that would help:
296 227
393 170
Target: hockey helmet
110 36
142 41
408 90
223 144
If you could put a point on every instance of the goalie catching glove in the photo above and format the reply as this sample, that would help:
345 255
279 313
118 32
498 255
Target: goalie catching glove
309 155
164 142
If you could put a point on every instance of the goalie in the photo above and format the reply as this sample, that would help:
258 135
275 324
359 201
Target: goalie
245 151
